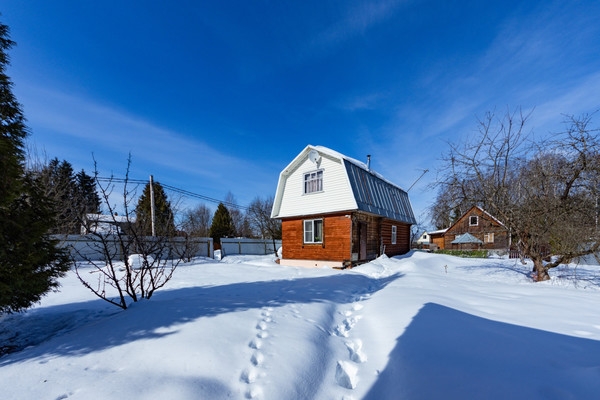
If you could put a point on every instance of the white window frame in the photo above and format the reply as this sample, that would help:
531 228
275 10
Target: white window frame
476 220
311 231
394 234
488 237
313 182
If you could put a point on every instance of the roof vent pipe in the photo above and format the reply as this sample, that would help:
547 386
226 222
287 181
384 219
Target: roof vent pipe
368 162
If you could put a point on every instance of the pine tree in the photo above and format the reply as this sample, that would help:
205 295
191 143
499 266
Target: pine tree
87 195
30 262
73 194
222 224
164 223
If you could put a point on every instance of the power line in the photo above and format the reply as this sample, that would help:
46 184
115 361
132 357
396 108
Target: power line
173 189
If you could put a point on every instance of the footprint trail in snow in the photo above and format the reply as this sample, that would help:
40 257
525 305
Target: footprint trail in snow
253 373
346 373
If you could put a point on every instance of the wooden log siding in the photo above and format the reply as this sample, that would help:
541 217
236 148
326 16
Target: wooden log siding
402 245
373 235
485 224
336 239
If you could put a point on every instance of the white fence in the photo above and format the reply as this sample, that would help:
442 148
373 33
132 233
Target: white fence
90 247
235 246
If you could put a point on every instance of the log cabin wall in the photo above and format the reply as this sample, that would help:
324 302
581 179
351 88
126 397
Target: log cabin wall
485 225
402 245
336 239
373 227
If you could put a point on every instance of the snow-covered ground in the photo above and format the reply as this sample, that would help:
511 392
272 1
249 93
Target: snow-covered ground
421 326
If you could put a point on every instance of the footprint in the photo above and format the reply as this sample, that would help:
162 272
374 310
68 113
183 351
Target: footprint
255 344
262 325
262 334
346 326
355 349
257 358
346 374
249 375
254 393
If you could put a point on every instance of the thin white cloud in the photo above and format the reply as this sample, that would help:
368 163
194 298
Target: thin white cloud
357 19
112 129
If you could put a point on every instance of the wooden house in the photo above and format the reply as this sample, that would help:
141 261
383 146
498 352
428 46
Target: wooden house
436 239
335 211
489 233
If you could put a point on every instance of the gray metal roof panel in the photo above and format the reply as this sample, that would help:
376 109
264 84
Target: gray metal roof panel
466 238
378 196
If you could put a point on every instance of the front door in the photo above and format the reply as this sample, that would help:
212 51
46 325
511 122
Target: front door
362 234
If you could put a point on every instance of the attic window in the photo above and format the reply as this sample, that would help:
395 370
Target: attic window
473 220
313 182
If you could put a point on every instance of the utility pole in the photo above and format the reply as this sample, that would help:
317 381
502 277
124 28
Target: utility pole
152 214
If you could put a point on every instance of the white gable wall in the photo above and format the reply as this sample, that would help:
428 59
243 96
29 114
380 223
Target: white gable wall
336 195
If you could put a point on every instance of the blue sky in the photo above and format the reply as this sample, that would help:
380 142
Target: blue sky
219 96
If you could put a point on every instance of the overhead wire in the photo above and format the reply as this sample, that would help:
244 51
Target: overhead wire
183 192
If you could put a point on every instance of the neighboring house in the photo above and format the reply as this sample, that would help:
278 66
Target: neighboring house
477 229
335 211
423 239
436 239
104 224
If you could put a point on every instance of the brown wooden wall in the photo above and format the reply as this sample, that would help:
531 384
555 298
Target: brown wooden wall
341 238
402 245
373 225
486 224
438 240
336 239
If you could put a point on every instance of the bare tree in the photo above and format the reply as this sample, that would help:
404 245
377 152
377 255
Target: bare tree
196 221
259 215
132 266
544 192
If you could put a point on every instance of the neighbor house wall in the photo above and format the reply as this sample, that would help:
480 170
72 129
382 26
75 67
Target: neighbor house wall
486 224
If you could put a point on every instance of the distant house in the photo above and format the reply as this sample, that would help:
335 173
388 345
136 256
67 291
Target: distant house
335 211
423 239
477 229
104 224
436 239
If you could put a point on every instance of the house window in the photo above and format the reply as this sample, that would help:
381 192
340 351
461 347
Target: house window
394 234
313 182
473 220
313 231
488 238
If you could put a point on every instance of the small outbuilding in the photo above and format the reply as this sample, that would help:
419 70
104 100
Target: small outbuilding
336 211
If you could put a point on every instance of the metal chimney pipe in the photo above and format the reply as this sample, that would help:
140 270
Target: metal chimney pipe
368 162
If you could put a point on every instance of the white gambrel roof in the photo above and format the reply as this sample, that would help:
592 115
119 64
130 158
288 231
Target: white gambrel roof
363 188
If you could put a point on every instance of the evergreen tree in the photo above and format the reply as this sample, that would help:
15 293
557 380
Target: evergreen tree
164 223
87 195
30 262
73 194
222 225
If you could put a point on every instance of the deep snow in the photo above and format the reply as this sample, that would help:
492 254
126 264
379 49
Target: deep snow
421 326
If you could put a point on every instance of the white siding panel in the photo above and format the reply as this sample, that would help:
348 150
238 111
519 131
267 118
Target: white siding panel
336 195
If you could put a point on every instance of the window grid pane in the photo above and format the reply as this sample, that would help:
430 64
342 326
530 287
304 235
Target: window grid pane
313 182
313 231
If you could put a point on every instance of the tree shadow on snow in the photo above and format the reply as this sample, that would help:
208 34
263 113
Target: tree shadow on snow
86 333
445 353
